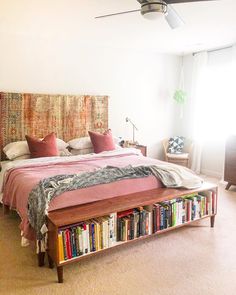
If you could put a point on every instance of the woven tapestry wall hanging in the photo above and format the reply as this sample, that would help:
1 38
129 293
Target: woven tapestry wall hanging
69 116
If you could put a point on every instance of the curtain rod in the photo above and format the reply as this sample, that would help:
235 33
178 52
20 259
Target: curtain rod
215 49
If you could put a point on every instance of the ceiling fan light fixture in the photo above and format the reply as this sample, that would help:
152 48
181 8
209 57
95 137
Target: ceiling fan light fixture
153 10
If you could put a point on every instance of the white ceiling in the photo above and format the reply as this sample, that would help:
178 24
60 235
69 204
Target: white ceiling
207 24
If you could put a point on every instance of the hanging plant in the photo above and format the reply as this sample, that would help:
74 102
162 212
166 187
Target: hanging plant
180 96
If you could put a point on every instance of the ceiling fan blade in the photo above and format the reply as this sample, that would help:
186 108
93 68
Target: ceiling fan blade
173 18
118 13
142 1
185 1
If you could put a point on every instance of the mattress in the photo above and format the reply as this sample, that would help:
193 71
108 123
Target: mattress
20 177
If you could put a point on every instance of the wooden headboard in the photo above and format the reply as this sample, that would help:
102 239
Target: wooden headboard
69 116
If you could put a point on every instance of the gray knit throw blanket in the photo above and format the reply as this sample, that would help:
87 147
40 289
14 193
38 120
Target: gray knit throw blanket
49 188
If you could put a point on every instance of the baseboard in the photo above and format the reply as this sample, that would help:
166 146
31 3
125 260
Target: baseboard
211 173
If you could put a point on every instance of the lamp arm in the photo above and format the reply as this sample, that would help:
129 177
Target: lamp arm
128 120
134 127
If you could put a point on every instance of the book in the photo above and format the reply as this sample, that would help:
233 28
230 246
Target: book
136 223
64 245
60 246
79 230
124 213
149 219
113 227
210 195
88 237
68 243
92 234
131 236
73 243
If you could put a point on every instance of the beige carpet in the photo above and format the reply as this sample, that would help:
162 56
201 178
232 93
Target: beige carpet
192 260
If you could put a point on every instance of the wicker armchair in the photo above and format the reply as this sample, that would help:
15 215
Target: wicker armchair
183 159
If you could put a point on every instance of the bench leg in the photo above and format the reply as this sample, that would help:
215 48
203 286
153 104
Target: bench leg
41 256
228 186
50 261
60 274
212 221
6 209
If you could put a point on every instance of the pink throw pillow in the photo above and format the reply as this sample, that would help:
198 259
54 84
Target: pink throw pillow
102 142
46 147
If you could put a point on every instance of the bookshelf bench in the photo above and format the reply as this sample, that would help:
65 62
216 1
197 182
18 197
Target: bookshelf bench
70 216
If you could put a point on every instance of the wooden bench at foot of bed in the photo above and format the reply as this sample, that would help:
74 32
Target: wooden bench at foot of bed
69 216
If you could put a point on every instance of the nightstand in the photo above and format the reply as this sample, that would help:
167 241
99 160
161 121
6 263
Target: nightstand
142 148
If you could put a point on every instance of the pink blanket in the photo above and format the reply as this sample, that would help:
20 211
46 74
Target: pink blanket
20 181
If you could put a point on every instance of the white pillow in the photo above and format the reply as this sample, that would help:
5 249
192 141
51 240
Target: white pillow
65 153
61 144
24 157
76 152
116 139
118 147
80 143
16 149
20 148
85 143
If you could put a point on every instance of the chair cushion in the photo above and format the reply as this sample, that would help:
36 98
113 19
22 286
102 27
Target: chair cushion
176 145
182 156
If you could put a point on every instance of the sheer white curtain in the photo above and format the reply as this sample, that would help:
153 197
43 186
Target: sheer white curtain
197 93
214 102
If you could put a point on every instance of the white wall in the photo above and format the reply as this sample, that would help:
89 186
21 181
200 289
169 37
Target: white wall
140 84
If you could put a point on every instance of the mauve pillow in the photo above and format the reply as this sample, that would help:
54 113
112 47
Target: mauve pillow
102 142
46 147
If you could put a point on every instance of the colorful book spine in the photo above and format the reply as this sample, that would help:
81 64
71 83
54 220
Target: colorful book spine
60 246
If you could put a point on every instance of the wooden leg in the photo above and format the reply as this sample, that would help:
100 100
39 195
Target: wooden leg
60 274
6 209
41 256
212 221
50 261
228 186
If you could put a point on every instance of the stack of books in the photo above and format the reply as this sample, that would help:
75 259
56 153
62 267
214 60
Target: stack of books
181 210
134 223
86 237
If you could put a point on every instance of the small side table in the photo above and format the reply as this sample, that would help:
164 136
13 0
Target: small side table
142 148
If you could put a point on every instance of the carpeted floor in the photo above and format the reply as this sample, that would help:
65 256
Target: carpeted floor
194 260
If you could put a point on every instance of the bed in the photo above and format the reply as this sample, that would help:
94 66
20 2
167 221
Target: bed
22 176
69 117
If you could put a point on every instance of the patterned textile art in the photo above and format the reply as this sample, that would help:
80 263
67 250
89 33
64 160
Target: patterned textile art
69 116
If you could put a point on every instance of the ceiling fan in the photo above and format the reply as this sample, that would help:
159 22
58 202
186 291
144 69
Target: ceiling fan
152 9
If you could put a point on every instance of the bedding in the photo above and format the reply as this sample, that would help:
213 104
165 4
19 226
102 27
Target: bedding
49 188
20 177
